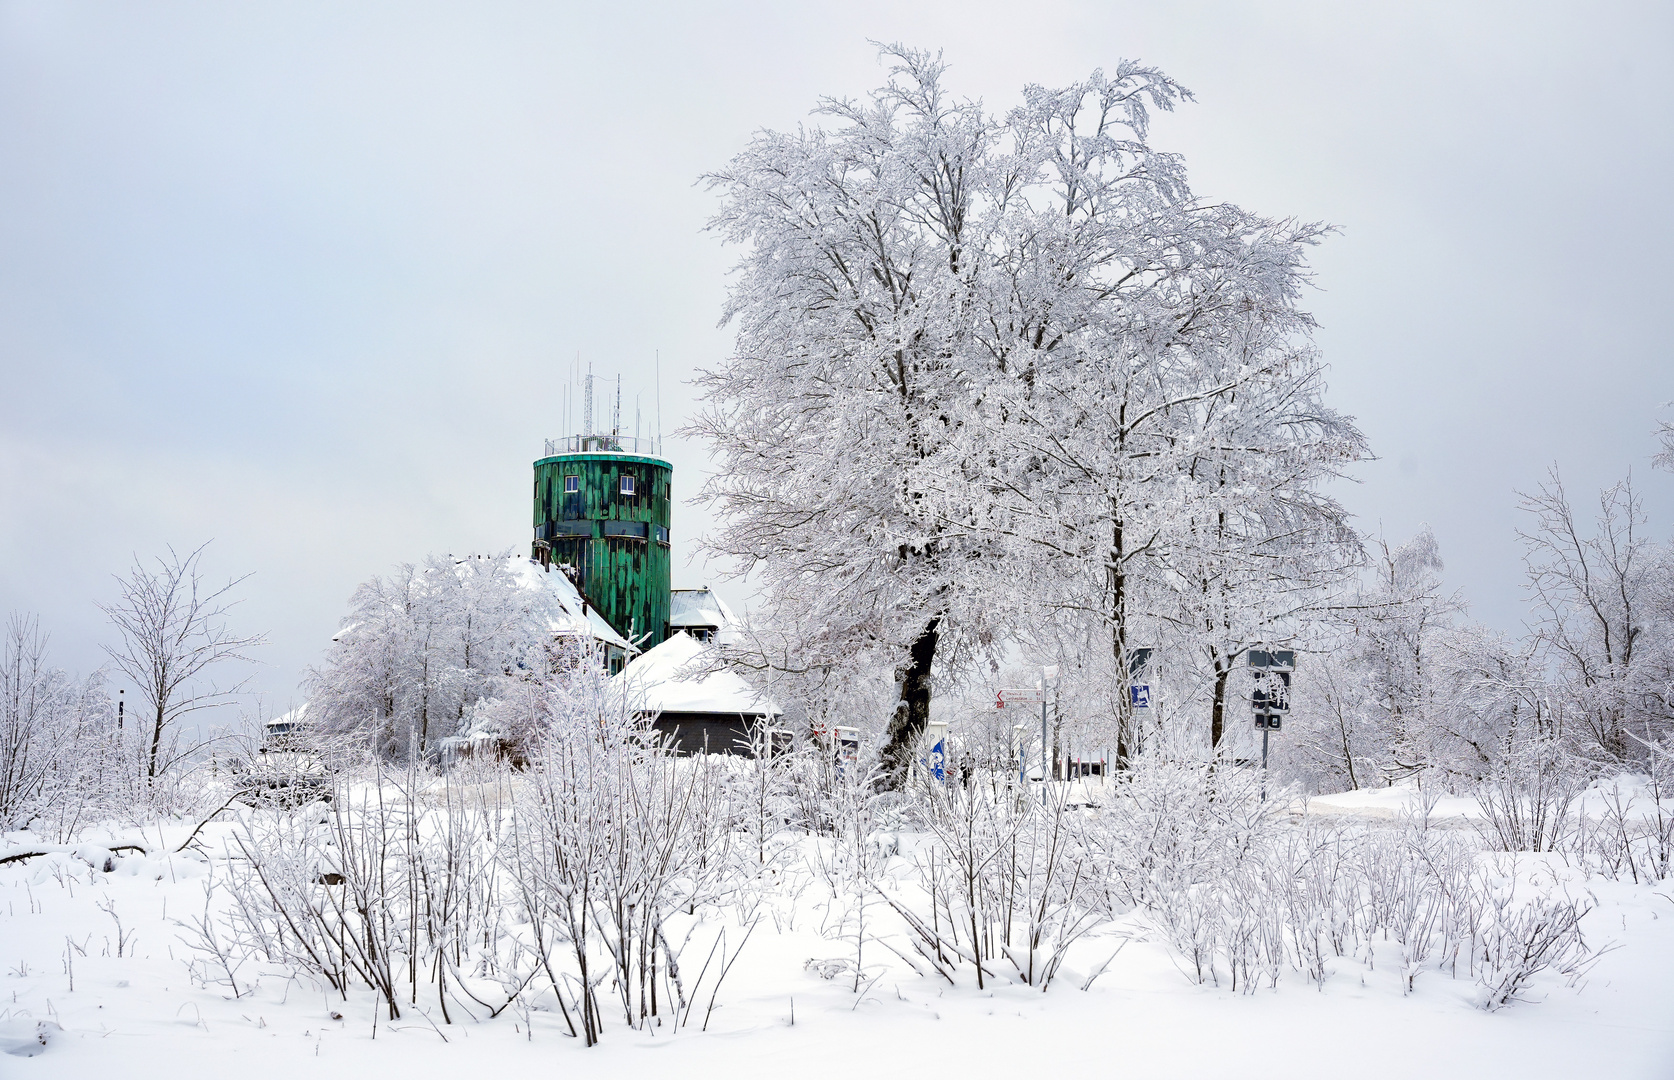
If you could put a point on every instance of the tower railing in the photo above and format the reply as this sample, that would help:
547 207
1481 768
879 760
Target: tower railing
603 444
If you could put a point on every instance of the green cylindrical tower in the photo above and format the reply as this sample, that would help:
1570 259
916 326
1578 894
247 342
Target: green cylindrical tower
602 507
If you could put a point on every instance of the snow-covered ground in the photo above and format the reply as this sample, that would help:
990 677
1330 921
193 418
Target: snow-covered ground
99 959
1597 800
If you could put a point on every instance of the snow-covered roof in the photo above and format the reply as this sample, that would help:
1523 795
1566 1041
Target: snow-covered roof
293 719
697 607
570 615
577 617
678 677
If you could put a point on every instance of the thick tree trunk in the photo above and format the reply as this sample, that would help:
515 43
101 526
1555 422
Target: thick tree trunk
1117 583
1217 709
912 711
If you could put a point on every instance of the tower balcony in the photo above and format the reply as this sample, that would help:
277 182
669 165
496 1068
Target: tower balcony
603 444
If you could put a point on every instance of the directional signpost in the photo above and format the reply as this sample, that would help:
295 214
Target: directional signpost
1025 698
1271 697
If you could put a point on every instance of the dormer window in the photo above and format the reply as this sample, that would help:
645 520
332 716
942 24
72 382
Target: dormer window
627 485
572 484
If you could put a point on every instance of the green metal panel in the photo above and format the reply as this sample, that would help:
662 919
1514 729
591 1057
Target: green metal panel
619 543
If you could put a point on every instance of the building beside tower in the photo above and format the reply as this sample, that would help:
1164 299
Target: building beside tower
602 513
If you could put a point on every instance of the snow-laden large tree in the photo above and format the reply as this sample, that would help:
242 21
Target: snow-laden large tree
1167 461
869 252
985 364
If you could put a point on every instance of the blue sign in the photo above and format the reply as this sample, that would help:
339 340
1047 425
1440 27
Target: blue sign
937 762
1141 696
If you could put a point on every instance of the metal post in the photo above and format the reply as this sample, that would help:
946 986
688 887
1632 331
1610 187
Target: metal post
1264 763
1045 749
121 706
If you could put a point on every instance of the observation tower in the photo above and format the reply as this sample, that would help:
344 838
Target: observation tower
602 516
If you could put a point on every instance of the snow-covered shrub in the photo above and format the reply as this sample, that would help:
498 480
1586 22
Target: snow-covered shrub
1521 936
613 837
1180 839
849 859
380 890
550 885
1627 831
1170 824
1242 895
965 873
1528 798
1009 879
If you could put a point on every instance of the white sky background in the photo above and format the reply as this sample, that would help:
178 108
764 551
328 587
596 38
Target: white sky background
308 279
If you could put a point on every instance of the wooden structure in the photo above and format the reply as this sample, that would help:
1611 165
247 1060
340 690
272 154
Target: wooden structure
602 509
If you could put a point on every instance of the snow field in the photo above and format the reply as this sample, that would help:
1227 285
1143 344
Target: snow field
143 1014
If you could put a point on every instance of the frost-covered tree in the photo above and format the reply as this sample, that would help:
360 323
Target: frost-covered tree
64 762
1263 551
1371 708
1665 446
419 648
1400 634
176 634
1597 616
868 252
1178 367
33 698
977 358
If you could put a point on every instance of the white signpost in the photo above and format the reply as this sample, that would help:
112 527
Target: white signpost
1020 698
1026 697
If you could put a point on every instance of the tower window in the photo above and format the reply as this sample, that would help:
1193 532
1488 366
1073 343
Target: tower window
627 485
572 484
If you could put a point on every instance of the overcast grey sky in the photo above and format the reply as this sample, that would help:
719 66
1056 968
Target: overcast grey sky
307 279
